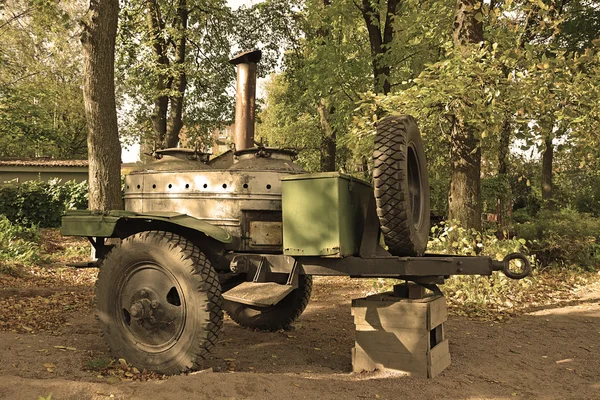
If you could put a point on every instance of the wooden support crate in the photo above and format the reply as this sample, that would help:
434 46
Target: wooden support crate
400 334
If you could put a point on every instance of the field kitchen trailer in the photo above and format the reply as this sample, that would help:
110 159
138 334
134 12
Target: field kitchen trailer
195 240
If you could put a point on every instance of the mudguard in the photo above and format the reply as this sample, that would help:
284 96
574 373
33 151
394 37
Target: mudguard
97 224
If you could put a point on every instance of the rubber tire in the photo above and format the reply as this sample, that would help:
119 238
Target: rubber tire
276 317
201 289
395 135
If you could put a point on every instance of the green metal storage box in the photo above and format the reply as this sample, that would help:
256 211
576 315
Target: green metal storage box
323 214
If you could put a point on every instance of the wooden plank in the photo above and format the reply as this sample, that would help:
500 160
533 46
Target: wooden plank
386 319
436 319
388 311
438 352
386 299
412 364
415 291
435 369
362 362
398 341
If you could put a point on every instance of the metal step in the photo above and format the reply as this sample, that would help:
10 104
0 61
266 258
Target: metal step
258 294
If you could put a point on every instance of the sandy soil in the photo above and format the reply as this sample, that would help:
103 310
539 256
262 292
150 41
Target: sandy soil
551 353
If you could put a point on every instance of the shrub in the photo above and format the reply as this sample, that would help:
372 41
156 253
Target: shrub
451 238
41 203
18 244
563 238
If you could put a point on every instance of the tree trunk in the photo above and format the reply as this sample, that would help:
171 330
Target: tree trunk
179 83
104 149
468 25
380 44
465 191
465 155
328 141
547 186
503 152
504 148
328 149
161 101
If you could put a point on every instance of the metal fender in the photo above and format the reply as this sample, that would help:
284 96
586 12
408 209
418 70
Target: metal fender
102 224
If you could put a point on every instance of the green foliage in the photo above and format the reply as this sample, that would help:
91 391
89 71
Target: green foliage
563 238
208 75
451 238
18 244
41 203
494 189
41 104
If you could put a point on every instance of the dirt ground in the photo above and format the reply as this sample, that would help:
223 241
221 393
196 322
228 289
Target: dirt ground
551 353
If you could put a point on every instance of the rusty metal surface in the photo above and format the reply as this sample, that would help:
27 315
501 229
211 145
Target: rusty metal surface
266 159
176 160
214 196
245 98
266 233
260 294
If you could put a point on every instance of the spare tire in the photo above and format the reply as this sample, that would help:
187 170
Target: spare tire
401 186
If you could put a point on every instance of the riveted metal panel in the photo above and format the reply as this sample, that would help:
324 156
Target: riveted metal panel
218 197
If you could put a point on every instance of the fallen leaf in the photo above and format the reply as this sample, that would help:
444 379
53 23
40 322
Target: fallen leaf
49 365
566 360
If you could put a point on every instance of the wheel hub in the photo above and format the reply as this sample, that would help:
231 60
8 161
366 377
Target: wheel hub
144 309
152 307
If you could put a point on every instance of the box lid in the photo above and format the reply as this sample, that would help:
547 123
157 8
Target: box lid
323 175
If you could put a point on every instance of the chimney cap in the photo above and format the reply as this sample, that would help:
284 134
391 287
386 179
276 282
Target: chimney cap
250 56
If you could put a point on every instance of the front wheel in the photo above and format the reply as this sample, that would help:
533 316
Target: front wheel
159 302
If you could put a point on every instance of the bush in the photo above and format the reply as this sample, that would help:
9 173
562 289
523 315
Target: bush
41 203
451 238
18 244
563 238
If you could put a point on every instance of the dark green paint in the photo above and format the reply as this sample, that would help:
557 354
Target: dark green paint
323 214
88 223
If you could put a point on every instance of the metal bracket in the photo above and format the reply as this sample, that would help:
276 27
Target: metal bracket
293 277
100 247
261 272
369 243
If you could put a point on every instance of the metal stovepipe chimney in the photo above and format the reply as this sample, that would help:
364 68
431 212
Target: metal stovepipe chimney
245 98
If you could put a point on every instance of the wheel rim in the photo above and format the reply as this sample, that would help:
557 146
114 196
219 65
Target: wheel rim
151 306
415 187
